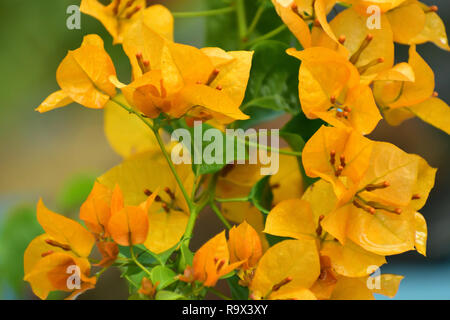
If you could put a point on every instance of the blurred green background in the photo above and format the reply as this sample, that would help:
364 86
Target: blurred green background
57 155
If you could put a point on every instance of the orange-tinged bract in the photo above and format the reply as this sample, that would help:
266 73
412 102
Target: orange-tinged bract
84 77
245 245
212 261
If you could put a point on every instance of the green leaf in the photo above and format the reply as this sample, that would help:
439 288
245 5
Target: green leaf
19 228
164 276
238 292
261 195
273 80
168 295
75 191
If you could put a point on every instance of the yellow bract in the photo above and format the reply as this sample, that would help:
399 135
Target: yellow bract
119 16
83 76
329 89
279 275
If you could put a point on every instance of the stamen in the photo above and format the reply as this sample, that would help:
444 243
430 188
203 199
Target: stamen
342 39
165 207
372 63
170 193
133 12
146 66
317 23
282 283
129 3
382 185
342 158
219 87
332 157
54 243
220 265
435 94
355 57
432 9
275 186
333 99
47 253
319 228
339 171
116 8
415 197
358 203
385 208
212 76
148 193
140 60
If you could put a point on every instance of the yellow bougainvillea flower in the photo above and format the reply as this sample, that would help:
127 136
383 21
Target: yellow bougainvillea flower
281 276
129 225
401 99
338 155
212 261
141 175
294 218
66 243
363 288
83 77
329 89
119 15
245 245
179 79
109 251
378 199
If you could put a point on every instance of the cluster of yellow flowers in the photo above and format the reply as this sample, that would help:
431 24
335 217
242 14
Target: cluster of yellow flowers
362 207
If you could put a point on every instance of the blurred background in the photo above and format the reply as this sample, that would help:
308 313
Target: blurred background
57 156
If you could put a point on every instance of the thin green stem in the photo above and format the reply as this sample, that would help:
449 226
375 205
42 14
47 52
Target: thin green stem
280 151
163 149
138 263
241 19
246 199
255 20
206 13
220 215
219 294
268 35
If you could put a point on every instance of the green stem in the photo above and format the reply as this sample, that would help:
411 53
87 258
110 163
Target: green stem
220 215
268 35
280 151
242 21
232 200
163 149
205 13
219 294
138 263
255 20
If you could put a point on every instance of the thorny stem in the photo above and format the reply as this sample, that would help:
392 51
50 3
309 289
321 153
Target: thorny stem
232 200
